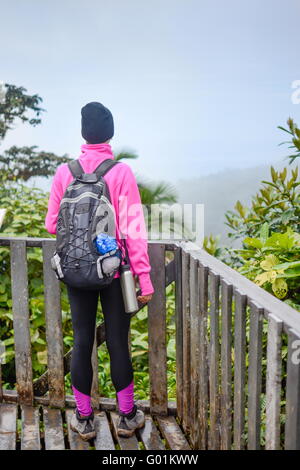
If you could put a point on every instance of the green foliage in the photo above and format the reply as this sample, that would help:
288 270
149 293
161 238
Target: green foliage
22 163
15 104
211 245
269 231
277 203
273 262
294 131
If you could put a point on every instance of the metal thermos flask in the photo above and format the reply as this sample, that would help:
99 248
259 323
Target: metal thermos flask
128 289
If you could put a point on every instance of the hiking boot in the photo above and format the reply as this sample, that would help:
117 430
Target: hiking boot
84 425
129 422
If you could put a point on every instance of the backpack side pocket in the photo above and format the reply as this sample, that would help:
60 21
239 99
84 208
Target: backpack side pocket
110 262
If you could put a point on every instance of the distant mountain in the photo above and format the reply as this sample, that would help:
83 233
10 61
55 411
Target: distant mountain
220 191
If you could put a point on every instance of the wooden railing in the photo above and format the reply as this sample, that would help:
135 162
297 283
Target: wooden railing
235 386
240 388
50 388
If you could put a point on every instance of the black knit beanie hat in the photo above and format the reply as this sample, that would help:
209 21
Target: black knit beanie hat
97 123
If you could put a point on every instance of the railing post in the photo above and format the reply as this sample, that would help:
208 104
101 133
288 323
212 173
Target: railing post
292 425
54 335
239 368
254 376
1 389
214 365
226 365
203 358
195 349
273 386
157 333
19 280
186 329
179 332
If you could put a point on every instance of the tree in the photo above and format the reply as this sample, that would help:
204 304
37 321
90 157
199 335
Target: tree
14 104
22 163
277 203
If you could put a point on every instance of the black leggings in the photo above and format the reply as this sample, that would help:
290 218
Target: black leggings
117 322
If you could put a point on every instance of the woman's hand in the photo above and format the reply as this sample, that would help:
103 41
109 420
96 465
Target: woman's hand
141 298
144 298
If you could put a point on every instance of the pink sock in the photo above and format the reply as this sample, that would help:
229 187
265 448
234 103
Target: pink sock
83 402
125 399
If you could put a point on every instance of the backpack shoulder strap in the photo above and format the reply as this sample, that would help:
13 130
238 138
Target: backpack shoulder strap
75 168
104 167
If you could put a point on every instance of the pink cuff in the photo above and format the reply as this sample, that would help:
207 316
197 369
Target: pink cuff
146 284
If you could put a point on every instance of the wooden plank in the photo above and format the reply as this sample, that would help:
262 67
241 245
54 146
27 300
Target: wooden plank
76 443
179 333
8 426
172 433
53 425
55 349
30 434
95 394
1 389
157 333
214 367
170 245
239 368
2 352
125 443
107 404
195 348
104 439
149 435
19 286
203 364
254 376
273 383
170 270
226 366
186 331
292 424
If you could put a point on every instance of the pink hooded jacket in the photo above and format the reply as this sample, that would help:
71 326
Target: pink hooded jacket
123 187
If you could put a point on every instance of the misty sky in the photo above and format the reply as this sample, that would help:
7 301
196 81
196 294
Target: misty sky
194 86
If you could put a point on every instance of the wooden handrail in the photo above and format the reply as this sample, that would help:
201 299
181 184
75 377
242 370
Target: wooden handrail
289 316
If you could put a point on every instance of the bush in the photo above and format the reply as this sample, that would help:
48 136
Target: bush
277 203
273 262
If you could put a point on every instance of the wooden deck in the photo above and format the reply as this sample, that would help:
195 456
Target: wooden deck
43 428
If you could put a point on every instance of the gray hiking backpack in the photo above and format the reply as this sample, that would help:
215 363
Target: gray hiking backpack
85 211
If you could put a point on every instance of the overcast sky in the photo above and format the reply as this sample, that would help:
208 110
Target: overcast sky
194 86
